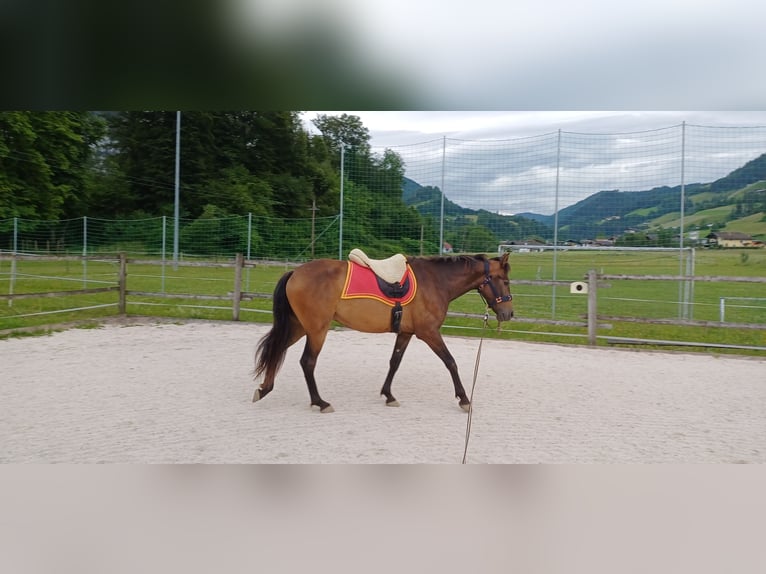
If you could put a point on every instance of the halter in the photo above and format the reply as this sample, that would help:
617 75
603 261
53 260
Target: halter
488 281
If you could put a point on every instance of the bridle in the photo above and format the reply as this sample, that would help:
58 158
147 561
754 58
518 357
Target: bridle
488 281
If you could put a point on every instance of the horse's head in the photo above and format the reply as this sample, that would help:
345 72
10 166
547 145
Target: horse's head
494 287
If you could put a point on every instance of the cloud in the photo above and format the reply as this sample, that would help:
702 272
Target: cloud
536 173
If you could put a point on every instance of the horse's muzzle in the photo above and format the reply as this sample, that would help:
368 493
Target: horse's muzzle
504 314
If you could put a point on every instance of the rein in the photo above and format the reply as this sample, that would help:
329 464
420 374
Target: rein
497 300
473 384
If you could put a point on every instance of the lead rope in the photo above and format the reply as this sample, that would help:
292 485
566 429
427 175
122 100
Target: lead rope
473 384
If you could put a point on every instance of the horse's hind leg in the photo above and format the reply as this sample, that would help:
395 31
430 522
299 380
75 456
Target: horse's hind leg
402 340
308 364
296 332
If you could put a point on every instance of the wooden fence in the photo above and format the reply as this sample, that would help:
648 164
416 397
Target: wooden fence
594 278
236 296
592 320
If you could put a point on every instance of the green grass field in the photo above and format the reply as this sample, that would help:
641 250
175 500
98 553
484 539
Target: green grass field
754 224
624 298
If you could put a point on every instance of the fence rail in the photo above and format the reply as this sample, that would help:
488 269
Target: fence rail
592 320
57 293
593 279
700 278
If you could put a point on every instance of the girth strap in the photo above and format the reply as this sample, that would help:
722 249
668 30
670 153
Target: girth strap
396 317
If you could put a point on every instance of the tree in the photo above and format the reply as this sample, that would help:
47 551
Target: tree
476 238
45 158
344 129
237 192
242 162
144 148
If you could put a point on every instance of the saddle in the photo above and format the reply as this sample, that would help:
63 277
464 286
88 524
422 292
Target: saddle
392 278
391 269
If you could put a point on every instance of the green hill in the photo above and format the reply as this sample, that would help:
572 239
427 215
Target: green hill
754 225
702 218
470 229
735 197
735 202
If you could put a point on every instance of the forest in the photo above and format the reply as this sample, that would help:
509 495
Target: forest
120 168
59 165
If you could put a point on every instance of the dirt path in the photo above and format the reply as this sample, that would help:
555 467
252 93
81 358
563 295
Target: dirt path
154 393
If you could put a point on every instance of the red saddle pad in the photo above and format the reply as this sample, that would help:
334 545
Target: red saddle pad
361 283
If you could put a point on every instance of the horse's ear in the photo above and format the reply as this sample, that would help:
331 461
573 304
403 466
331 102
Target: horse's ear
504 259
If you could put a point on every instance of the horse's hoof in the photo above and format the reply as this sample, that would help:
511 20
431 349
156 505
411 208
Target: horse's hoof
466 407
257 395
393 403
327 409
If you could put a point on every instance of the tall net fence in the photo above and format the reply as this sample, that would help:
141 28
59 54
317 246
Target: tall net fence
579 185
471 196
256 237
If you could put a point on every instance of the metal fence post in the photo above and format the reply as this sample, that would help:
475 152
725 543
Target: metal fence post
556 225
84 252
249 244
12 280
441 206
683 293
592 307
342 178
164 237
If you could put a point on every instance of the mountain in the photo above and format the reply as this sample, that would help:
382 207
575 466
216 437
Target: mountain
471 229
739 195
427 200
611 212
753 171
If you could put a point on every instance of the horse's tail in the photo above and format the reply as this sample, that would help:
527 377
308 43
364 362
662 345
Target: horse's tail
272 347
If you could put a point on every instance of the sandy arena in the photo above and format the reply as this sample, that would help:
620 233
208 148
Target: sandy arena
181 393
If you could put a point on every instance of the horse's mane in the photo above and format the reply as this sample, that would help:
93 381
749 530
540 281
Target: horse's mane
452 259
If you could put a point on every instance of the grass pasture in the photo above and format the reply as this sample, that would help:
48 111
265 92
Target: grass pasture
754 224
744 302
719 214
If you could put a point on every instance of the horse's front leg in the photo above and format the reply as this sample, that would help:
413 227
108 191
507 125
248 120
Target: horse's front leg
402 340
435 341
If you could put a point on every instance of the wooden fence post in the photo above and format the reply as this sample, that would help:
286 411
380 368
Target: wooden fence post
592 307
237 294
122 306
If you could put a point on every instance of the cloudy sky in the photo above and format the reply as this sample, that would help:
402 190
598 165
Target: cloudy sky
395 128
515 162
578 67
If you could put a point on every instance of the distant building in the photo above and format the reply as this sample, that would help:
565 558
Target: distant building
598 242
605 242
732 239
522 246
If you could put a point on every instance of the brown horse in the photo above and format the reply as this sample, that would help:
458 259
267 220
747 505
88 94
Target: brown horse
308 299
